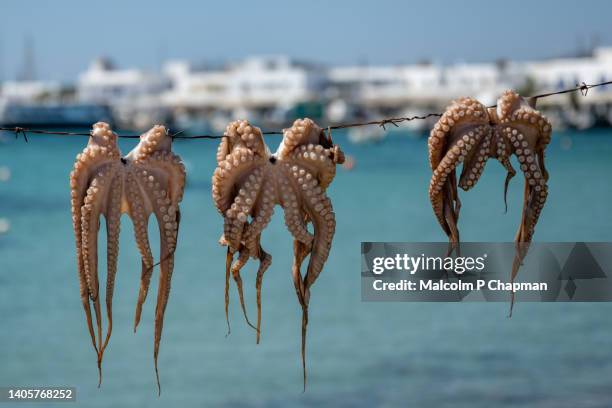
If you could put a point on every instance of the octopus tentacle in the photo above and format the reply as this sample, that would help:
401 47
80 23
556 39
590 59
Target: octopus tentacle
163 292
168 217
300 252
318 161
477 148
239 153
83 287
462 112
501 149
321 214
237 215
171 165
228 265
90 213
90 223
294 219
302 132
452 207
319 211
457 137
265 260
443 189
240 162
140 221
243 257
261 213
529 132
113 226
536 191
91 210
305 143
236 223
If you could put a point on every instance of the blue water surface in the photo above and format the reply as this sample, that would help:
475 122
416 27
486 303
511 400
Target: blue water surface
359 354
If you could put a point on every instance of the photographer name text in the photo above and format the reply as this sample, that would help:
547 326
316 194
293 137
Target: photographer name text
442 285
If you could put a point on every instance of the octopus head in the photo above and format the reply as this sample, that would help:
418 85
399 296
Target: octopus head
156 139
507 104
240 134
302 132
102 135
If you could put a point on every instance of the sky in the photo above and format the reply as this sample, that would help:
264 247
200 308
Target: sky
67 35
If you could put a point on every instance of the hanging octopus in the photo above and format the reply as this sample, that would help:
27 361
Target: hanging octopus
249 181
470 133
149 180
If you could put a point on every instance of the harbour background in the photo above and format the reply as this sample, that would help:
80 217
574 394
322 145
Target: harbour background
196 66
273 90
359 354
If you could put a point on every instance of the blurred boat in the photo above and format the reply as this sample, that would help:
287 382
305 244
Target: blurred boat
5 226
418 126
192 124
5 174
366 134
53 115
580 119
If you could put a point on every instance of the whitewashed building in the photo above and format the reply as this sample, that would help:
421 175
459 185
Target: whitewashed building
103 83
420 85
133 94
563 73
30 91
257 82
269 88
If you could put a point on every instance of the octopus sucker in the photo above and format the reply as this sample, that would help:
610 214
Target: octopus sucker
150 179
513 126
249 182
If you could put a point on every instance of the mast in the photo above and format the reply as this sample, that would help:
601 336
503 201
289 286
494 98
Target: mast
28 67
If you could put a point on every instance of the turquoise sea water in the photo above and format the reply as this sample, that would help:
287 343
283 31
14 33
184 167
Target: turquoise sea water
359 354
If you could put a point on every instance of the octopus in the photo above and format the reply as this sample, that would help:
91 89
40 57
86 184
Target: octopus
470 133
249 182
149 180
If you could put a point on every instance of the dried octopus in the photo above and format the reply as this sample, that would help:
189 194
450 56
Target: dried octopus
249 181
470 133
149 180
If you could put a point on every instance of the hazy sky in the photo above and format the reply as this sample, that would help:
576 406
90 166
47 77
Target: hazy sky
67 35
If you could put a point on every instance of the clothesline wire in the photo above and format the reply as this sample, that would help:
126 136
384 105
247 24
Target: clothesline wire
21 131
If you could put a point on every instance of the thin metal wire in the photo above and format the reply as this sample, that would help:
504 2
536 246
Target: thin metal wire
21 131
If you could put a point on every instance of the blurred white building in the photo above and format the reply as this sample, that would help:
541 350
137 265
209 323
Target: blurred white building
255 83
103 83
563 73
133 94
418 85
30 91
273 90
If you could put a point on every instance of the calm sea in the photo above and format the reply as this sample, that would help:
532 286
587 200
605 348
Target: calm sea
359 354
